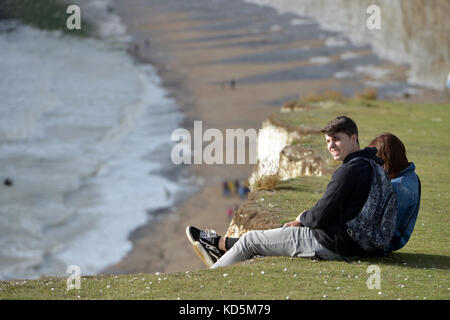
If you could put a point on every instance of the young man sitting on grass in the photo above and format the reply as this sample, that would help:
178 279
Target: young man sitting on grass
318 232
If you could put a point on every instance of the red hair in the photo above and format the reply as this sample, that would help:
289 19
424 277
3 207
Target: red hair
392 151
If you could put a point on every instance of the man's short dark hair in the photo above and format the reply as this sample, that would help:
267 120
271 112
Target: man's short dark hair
341 124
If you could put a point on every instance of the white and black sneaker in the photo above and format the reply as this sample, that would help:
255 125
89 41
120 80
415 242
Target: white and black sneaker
208 256
205 244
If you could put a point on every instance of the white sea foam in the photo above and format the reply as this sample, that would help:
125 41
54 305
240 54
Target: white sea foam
300 21
372 71
344 74
109 24
319 60
80 123
348 55
335 42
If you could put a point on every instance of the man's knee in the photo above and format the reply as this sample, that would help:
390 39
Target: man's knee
249 236
249 239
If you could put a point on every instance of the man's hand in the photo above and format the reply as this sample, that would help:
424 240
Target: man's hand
294 223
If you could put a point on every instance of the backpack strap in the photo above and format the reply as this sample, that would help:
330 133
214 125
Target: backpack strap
342 227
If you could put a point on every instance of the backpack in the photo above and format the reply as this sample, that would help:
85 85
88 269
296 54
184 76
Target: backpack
374 226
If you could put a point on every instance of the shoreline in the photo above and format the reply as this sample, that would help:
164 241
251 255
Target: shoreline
186 49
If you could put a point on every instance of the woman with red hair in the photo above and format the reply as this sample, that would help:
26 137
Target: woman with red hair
405 182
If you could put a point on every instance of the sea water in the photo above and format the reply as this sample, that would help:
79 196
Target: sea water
84 131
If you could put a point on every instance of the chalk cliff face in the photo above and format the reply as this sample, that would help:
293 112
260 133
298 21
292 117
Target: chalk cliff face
296 161
415 32
272 139
278 153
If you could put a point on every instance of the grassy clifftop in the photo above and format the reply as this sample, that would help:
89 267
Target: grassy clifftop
418 271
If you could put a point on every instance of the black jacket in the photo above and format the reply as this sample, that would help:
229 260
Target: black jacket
343 199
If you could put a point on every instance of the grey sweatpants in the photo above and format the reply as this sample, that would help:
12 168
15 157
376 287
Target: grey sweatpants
285 241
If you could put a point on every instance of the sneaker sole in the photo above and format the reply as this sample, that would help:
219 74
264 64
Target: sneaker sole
188 233
202 254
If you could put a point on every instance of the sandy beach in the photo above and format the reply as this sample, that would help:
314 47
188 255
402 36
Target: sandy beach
199 51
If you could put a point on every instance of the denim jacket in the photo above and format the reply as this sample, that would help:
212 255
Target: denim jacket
407 189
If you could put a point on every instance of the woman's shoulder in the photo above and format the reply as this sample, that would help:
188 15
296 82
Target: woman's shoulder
407 181
407 173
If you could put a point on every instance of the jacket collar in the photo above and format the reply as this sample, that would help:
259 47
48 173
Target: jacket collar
410 168
367 152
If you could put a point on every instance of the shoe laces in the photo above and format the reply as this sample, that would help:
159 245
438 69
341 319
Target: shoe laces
209 234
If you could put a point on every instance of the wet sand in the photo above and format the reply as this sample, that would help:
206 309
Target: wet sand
230 64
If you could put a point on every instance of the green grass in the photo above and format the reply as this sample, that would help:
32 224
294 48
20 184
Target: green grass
420 270
403 276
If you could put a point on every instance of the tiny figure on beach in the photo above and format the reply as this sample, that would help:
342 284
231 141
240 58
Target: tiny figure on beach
243 190
231 187
236 186
167 193
147 42
8 182
225 189
229 213
232 84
